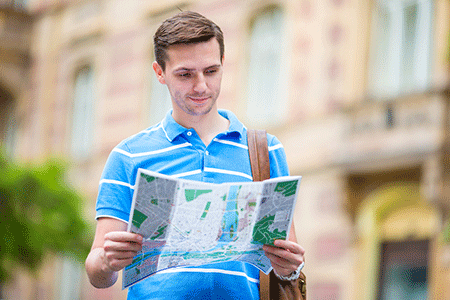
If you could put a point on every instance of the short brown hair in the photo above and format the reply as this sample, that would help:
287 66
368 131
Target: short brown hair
185 28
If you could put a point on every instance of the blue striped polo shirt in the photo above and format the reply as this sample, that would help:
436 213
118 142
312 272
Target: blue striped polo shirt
171 149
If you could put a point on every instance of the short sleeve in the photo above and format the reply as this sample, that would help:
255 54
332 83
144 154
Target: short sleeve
277 156
116 186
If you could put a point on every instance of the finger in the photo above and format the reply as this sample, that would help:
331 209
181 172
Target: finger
291 246
111 246
124 236
280 261
119 264
278 251
282 266
116 260
283 256
120 255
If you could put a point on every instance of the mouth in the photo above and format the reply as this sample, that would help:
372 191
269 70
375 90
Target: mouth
199 100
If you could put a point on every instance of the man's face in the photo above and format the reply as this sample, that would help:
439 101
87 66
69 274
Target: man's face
193 76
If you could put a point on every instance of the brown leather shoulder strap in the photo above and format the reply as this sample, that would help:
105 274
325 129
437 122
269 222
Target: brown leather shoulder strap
258 150
259 154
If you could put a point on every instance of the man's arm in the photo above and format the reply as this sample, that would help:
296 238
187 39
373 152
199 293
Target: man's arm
112 250
286 256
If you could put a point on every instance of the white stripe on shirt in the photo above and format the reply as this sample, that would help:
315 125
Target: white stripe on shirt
117 182
165 132
199 270
222 171
230 143
153 129
111 217
275 147
187 173
152 152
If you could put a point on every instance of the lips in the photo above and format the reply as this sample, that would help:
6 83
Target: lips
199 100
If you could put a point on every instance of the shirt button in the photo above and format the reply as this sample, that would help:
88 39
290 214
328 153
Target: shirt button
189 133
207 152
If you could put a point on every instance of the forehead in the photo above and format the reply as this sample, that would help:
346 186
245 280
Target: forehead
196 55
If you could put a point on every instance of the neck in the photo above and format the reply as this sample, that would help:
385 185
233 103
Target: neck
207 126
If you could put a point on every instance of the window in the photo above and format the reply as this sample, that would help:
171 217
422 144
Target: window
400 61
83 114
404 268
267 85
160 100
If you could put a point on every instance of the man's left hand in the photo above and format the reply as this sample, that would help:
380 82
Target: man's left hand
285 256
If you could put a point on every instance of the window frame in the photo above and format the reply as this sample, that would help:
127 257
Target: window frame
273 113
84 117
386 75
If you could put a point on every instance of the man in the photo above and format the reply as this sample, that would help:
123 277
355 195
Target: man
194 141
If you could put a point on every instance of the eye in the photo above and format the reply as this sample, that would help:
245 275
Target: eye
185 75
211 71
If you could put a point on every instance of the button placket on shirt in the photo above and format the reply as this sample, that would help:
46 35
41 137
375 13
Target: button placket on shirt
208 163
203 154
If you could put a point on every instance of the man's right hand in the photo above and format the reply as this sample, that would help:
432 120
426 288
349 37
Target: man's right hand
112 250
119 249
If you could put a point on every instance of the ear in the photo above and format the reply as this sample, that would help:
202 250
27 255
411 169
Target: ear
159 72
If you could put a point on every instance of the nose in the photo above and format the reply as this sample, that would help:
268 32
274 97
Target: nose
200 85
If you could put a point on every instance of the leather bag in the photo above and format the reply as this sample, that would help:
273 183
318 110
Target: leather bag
271 287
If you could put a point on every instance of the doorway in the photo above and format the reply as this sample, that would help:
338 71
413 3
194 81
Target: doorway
403 271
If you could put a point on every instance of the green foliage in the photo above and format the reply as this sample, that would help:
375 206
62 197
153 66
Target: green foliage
39 213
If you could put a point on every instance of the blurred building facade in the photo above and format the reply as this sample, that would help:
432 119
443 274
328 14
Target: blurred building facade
357 91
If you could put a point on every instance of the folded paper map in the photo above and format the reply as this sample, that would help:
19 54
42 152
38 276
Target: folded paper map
191 223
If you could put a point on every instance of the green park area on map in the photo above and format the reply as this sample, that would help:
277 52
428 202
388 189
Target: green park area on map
262 233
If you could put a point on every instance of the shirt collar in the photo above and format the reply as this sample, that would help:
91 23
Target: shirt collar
173 129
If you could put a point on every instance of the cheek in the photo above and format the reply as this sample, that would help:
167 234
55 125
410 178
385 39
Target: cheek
217 85
218 81
175 87
179 92
180 85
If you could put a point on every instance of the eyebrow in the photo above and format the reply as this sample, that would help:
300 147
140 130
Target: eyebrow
182 69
